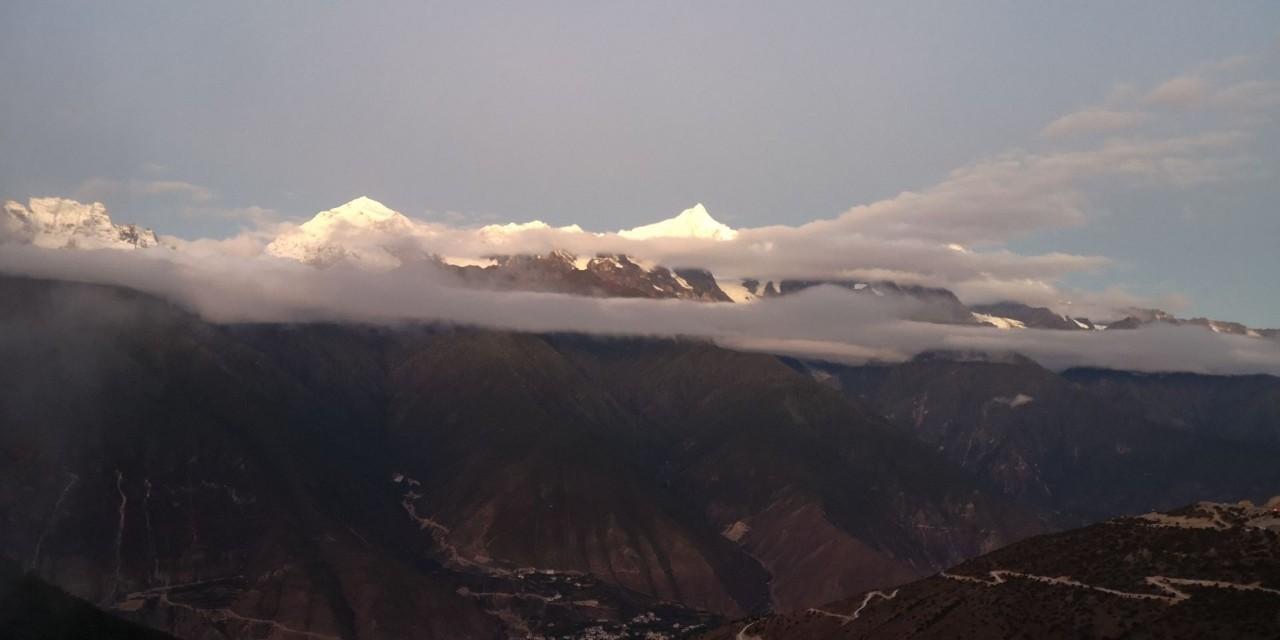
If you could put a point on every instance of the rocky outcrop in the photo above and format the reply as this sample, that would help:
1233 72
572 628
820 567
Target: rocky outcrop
616 276
1032 317
929 304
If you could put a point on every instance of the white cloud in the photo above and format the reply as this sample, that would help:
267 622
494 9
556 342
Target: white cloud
254 215
1096 120
1251 95
106 189
1020 192
1182 91
822 322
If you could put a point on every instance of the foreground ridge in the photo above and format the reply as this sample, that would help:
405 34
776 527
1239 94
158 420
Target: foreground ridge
1164 583
1205 570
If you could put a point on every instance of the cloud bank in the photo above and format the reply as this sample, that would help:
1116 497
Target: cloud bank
824 322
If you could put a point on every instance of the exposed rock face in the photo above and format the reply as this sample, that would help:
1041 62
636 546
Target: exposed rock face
1032 317
1141 317
1204 571
933 304
59 223
335 481
1037 437
601 276
704 284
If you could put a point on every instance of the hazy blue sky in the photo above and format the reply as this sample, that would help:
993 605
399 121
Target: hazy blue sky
183 116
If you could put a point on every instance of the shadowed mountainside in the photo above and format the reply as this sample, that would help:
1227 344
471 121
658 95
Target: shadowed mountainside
31 609
353 481
1033 435
1204 571
1241 408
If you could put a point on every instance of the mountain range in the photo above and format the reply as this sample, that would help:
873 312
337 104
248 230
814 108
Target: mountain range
334 479
59 223
423 480
367 234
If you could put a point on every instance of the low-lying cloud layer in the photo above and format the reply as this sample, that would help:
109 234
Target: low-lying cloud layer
824 322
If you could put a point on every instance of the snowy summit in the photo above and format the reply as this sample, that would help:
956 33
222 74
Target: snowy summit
361 212
58 223
343 233
694 222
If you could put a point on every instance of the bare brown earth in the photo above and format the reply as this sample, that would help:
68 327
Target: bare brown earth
1206 571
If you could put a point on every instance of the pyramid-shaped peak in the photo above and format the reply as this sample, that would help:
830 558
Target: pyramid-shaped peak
696 211
693 222
366 206
361 212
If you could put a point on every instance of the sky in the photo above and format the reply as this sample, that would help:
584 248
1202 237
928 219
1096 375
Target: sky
1142 133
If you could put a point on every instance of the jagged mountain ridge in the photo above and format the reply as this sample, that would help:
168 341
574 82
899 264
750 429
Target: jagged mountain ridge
613 276
1136 318
368 234
936 304
1029 317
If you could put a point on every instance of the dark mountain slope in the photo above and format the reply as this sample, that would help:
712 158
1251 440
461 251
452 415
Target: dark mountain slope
1206 571
151 452
766 454
31 609
1243 408
1037 437
348 481
526 461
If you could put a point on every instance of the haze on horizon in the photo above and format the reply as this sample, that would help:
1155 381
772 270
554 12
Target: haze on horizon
1143 134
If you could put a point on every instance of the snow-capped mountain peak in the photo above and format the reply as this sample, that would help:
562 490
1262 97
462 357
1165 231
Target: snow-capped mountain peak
361 212
58 223
357 231
693 222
